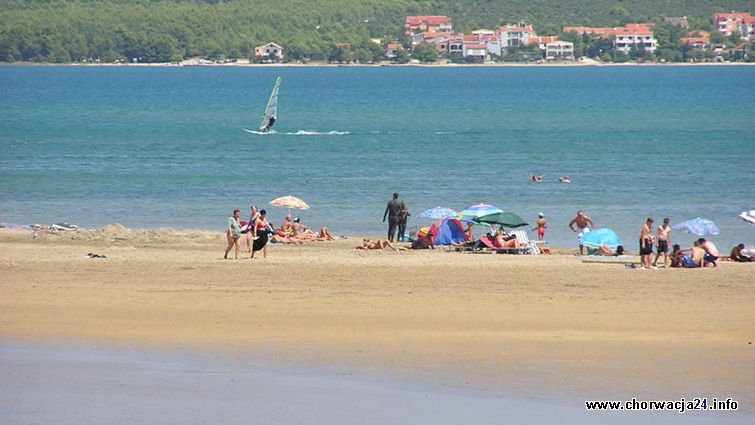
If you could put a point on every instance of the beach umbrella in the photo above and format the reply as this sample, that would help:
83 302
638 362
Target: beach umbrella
479 210
748 216
505 219
600 237
698 226
438 213
289 202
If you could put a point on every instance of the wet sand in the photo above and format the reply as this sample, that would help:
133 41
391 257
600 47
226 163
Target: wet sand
525 326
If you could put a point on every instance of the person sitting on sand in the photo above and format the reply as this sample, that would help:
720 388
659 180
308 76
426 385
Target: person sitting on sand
696 259
677 256
287 228
711 251
469 233
324 234
739 256
233 234
423 242
377 244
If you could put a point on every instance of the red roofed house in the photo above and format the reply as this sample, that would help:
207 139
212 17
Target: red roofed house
392 50
475 51
624 37
634 34
698 42
515 35
727 23
417 24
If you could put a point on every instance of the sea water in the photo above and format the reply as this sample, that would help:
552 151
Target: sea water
165 146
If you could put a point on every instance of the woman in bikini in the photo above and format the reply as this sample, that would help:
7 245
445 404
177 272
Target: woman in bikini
261 242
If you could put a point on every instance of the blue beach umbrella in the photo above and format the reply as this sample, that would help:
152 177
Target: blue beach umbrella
600 237
698 226
438 213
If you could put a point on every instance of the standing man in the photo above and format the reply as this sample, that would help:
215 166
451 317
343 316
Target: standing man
646 244
393 212
664 241
583 223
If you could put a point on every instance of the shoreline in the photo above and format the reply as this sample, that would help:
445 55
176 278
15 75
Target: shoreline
525 325
575 64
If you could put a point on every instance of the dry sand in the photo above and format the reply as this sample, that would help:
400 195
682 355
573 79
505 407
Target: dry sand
529 325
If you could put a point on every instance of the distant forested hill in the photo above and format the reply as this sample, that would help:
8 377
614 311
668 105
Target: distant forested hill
161 30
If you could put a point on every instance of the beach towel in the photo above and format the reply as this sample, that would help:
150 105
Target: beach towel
260 242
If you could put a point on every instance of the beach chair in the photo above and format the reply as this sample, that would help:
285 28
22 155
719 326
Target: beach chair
530 246
498 250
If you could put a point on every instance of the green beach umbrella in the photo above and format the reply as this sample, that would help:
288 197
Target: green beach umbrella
505 219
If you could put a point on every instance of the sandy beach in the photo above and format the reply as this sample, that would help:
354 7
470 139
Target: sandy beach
544 326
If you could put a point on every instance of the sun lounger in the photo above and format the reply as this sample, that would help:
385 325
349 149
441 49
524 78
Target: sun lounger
530 247
488 243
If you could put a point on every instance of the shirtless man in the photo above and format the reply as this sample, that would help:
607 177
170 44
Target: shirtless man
710 249
664 241
581 221
697 257
646 244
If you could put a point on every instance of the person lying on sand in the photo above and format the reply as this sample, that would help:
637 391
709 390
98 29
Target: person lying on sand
608 252
378 244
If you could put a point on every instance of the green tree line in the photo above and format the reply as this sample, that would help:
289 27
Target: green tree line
170 30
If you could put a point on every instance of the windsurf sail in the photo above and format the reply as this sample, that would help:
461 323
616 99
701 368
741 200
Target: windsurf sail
271 111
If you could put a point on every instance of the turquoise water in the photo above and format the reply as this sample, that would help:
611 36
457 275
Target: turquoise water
154 147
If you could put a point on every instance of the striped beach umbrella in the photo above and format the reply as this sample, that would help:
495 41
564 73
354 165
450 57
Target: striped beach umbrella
438 213
479 210
289 202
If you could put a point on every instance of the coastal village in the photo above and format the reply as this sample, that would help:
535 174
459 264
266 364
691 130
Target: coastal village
432 39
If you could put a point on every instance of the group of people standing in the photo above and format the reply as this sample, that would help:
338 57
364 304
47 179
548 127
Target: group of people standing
255 230
397 214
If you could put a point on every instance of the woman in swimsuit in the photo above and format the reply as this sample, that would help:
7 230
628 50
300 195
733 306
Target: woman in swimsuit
261 242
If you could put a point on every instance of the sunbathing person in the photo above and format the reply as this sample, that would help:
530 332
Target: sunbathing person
378 244
501 241
608 252
423 242
324 234
287 228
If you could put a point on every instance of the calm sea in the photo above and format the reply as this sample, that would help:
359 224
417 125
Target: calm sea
154 147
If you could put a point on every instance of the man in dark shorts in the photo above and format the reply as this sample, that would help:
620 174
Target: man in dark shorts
646 244
393 212
663 236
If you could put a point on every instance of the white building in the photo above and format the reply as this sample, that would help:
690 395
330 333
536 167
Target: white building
515 35
269 51
561 50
